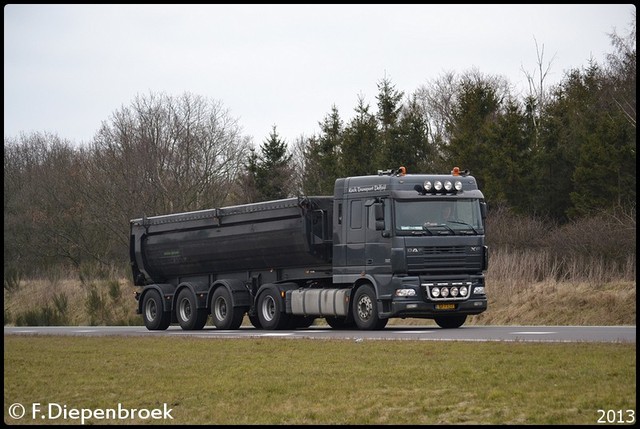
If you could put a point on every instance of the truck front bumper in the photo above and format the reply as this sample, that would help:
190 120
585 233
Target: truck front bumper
403 307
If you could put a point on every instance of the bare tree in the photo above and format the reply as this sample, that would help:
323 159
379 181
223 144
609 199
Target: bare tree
622 71
162 155
537 97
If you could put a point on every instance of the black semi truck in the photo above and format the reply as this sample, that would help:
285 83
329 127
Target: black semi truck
391 245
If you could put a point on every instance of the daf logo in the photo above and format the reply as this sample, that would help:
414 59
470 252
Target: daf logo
475 249
413 250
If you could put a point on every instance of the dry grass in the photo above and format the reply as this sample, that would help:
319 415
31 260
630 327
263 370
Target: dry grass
97 302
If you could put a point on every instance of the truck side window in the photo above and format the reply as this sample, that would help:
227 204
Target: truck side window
371 216
356 214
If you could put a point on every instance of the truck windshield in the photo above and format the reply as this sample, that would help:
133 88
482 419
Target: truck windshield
460 216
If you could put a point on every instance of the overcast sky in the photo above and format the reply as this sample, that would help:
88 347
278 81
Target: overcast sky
68 68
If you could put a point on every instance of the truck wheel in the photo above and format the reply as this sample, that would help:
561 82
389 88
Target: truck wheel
451 322
155 318
340 322
255 321
223 313
270 310
365 309
189 316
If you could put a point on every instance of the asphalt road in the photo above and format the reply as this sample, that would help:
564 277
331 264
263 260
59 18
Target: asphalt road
607 334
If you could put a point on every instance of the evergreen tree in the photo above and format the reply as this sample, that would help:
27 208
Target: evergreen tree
389 110
360 149
412 148
324 155
508 168
568 123
271 169
605 172
474 113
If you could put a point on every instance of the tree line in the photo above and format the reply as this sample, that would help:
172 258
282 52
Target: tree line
562 152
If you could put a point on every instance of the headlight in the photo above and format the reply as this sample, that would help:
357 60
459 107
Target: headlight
458 185
445 292
463 291
478 290
435 292
448 186
427 185
438 185
454 291
405 292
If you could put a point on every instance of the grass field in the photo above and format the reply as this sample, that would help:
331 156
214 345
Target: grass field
285 381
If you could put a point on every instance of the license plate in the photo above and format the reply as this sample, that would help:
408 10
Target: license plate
445 306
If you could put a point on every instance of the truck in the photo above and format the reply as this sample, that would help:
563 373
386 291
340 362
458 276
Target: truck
386 245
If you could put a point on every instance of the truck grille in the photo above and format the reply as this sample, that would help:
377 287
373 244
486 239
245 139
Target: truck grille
441 259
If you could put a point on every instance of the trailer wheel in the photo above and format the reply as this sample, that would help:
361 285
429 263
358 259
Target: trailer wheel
223 313
270 310
365 309
189 316
155 319
451 322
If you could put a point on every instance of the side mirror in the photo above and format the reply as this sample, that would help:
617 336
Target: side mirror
483 210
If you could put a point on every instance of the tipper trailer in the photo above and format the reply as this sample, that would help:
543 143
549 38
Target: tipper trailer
391 245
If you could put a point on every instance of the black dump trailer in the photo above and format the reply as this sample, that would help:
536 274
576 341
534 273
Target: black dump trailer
217 260
383 246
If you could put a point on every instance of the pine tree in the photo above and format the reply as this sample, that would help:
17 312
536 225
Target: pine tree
271 169
360 148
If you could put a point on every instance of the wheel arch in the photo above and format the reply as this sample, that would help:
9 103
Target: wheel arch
166 292
198 289
240 296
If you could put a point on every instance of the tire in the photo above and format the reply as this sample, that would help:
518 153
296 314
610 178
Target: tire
255 321
365 309
452 321
223 314
271 310
189 316
155 318
340 322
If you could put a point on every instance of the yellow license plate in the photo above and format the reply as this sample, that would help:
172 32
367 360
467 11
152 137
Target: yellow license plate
445 306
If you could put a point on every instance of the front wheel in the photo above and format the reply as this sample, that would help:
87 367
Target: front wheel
365 309
223 314
452 321
155 318
190 317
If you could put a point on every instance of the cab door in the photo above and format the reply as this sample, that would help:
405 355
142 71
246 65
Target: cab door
356 228
377 246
